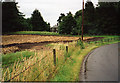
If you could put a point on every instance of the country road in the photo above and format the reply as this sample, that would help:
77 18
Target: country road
101 64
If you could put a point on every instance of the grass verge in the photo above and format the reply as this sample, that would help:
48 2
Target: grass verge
71 69
67 67
9 59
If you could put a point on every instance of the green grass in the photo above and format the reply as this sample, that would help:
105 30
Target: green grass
53 34
34 33
108 36
39 33
9 59
49 45
71 69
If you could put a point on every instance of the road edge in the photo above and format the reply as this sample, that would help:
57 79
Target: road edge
83 68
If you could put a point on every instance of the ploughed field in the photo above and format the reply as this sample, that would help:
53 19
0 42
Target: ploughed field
13 43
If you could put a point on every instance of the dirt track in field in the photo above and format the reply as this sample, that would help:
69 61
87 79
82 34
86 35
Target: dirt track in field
13 43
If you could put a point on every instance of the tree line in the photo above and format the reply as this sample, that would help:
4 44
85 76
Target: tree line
100 20
14 20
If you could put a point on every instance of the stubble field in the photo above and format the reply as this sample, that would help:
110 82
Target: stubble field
13 43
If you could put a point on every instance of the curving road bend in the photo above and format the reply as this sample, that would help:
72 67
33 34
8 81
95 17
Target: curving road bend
101 64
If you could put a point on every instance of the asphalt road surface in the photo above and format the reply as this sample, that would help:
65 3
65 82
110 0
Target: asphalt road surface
101 64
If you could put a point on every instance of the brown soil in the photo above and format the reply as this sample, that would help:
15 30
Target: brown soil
13 43
94 39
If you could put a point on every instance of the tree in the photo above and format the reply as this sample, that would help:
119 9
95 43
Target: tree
26 24
78 30
89 11
89 14
11 17
78 18
78 14
48 26
61 17
107 17
67 24
37 22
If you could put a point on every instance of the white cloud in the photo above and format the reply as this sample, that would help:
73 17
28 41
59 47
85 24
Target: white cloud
50 9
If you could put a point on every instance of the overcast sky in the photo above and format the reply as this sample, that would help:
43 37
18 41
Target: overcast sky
50 9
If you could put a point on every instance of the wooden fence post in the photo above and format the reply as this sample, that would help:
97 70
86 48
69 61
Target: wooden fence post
54 56
67 49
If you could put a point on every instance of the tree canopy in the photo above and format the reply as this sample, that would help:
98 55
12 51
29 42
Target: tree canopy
100 20
38 23
11 17
13 20
67 24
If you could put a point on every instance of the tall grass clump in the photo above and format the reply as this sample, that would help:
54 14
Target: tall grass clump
80 42
33 68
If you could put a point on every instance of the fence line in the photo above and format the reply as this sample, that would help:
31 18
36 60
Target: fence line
54 53
27 68
54 58
40 73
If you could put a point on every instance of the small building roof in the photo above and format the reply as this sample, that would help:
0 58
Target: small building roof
55 26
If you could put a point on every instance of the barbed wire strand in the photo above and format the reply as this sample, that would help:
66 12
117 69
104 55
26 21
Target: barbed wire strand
40 73
27 68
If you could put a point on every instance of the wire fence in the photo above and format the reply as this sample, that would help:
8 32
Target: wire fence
27 68
54 58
